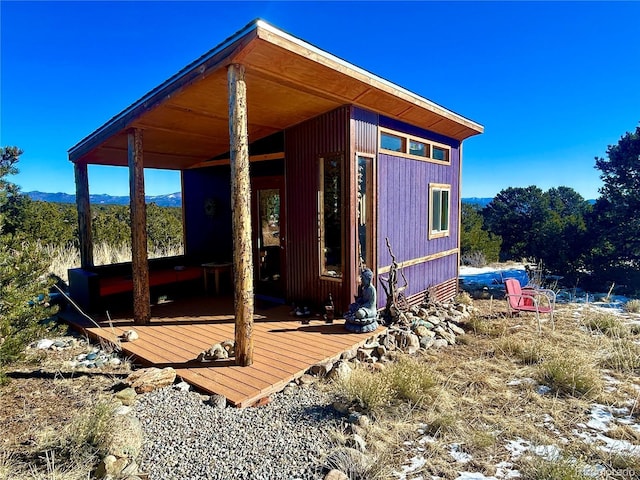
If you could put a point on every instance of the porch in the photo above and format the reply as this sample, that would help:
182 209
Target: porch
284 349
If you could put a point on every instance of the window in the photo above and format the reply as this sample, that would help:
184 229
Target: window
392 142
418 148
439 196
404 145
330 216
440 153
365 210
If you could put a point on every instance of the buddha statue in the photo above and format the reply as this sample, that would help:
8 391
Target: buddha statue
362 315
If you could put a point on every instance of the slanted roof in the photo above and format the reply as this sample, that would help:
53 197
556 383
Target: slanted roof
185 119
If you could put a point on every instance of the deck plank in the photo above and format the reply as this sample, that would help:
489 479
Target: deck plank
284 349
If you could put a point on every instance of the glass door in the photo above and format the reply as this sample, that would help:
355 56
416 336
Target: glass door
269 236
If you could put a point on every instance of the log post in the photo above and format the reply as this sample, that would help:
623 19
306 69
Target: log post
241 209
139 264
83 206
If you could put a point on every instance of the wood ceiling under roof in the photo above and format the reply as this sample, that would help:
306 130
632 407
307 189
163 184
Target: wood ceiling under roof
185 119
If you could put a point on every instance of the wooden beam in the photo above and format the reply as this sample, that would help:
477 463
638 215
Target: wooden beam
241 208
265 157
83 205
418 261
139 263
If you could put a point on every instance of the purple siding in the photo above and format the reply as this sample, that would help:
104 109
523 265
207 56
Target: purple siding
403 207
403 212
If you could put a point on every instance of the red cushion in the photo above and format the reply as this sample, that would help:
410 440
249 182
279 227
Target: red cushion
121 284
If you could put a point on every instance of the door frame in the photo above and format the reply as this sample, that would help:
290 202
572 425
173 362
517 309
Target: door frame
268 183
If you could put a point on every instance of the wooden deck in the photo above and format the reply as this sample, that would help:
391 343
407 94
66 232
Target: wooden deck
283 348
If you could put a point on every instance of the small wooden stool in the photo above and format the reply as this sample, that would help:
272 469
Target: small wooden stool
215 268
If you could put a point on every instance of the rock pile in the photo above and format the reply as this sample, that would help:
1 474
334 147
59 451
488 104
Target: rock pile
431 324
218 351
55 344
96 358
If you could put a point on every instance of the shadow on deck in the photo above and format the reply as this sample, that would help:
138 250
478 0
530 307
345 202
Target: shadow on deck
284 349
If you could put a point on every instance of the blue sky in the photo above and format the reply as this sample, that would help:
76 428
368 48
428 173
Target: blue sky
553 83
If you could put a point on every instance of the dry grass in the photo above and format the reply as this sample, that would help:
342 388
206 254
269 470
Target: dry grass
69 453
622 356
485 393
605 323
632 306
574 375
54 418
64 258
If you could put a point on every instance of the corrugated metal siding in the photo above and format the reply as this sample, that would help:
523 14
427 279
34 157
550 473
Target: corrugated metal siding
304 143
366 130
443 292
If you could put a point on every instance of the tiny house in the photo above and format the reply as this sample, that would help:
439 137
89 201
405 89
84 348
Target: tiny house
339 160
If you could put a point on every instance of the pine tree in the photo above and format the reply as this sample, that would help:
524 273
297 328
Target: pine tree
24 281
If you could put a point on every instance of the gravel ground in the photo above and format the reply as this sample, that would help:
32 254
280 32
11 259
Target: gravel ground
188 439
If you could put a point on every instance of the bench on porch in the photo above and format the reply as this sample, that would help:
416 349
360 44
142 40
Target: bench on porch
89 286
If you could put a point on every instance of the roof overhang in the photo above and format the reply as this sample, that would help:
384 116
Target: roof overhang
185 119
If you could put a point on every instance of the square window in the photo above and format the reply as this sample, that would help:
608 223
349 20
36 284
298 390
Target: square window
439 210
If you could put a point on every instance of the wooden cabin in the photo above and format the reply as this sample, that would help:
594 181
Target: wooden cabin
296 166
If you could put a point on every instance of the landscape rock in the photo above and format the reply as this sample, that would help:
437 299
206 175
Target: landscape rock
229 346
122 410
148 379
290 389
389 342
336 475
355 441
423 331
349 354
440 343
216 352
381 350
182 386
340 371
407 341
321 369
130 470
129 336
105 467
364 354
426 342
44 344
306 379
127 396
364 421
124 438
340 407
218 401
456 329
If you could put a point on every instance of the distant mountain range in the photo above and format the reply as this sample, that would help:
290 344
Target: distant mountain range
481 202
168 200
